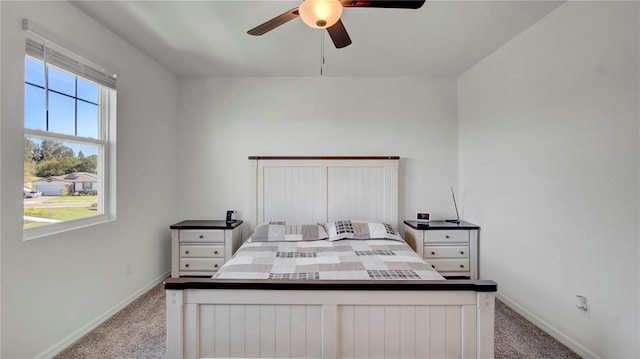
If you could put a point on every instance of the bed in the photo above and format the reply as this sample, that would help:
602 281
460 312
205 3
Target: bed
391 304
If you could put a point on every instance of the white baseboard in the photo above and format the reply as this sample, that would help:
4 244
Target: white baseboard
73 337
544 326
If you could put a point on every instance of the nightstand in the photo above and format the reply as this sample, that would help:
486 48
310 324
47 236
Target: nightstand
201 247
450 248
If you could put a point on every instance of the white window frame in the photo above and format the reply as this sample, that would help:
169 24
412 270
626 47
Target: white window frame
106 166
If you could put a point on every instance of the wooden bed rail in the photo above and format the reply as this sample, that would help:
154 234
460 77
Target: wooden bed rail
292 284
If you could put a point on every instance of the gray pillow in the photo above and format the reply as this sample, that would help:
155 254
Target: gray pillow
280 232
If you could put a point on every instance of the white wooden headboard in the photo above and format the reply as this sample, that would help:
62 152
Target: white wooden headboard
302 190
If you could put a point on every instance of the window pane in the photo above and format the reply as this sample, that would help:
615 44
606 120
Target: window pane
87 120
87 91
35 113
61 81
34 71
62 111
60 182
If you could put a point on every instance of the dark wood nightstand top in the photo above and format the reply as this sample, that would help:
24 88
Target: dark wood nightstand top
440 225
206 224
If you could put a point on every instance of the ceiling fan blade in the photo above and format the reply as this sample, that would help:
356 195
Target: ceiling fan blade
339 35
275 22
394 4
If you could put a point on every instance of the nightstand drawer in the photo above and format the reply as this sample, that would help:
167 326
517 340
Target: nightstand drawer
201 251
201 264
195 235
446 251
449 265
446 236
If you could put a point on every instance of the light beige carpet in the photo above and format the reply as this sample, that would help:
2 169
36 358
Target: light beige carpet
138 331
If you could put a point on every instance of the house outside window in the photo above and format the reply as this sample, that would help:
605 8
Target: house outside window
69 144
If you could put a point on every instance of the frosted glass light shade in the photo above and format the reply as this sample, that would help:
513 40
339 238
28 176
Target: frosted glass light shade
320 14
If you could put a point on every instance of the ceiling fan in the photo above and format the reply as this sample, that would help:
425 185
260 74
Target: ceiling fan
325 14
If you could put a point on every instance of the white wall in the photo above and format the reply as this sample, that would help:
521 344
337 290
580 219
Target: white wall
224 120
52 287
549 166
0 197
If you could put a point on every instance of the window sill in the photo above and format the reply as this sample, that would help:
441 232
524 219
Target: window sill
52 229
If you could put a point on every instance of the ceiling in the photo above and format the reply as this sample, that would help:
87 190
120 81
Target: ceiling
199 38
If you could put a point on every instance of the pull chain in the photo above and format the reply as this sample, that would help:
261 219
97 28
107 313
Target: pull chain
322 53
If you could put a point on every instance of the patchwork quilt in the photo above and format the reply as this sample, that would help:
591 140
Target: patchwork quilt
376 259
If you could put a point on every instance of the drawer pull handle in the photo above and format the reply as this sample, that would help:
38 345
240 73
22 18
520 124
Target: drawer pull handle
216 252
187 265
447 236
462 266
432 266
215 266
433 253
186 252
201 236
461 252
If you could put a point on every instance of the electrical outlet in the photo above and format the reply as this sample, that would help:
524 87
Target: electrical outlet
129 268
582 304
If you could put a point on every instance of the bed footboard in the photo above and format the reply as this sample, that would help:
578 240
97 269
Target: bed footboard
329 319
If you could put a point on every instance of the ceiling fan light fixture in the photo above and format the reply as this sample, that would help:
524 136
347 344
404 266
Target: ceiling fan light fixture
320 14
